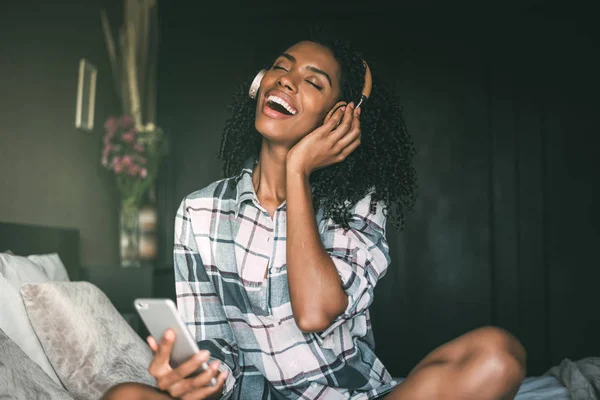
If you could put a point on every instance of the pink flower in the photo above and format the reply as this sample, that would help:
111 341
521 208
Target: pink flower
111 126
126 121
117 165
144 173
127 161
133 170
138 147
128 137
107 150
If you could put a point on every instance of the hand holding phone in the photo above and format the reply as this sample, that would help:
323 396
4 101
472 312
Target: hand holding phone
178 366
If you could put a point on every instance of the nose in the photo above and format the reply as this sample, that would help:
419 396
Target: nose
287 81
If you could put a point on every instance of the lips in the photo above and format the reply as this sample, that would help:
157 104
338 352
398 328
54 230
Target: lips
279 105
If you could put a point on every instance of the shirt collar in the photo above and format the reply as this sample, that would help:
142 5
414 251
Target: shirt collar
245 188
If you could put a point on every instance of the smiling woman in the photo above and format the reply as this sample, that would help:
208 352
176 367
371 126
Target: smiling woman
276 265
322 71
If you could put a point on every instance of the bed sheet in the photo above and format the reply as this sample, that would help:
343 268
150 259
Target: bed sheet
539 388
542 388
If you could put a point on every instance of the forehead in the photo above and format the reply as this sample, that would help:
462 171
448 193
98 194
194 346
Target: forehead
316 55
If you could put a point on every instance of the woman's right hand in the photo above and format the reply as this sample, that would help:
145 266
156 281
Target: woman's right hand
175 382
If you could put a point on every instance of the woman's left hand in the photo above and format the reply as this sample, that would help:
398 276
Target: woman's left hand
329 144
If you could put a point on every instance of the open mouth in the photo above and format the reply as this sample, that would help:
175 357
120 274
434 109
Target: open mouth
280 105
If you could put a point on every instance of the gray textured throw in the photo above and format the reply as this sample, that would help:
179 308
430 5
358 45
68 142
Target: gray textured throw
21 378
582 377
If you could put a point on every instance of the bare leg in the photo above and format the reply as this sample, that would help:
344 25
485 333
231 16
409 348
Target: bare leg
134 391
485 364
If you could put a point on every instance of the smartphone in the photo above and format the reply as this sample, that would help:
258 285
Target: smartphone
158 316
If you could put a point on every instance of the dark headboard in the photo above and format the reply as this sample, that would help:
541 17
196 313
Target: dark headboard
24 239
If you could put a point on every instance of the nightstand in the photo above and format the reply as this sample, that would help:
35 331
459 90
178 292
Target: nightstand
122 286
164 283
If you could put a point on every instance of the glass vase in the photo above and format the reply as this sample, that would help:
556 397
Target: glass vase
148 218
129 235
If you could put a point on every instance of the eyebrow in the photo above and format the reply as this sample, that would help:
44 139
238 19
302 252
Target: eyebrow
310 67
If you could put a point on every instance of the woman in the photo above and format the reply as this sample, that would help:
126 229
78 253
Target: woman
275 266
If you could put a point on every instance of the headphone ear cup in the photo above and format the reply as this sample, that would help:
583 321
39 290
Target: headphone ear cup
337 106
256 84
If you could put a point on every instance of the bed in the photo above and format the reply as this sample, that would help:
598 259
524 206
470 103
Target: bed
24 240
60 337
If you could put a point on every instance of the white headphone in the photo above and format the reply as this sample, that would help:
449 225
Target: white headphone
256 84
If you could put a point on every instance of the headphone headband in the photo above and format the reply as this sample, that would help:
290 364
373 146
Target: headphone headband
366 91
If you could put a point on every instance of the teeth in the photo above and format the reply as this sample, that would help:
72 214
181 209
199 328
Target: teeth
282 102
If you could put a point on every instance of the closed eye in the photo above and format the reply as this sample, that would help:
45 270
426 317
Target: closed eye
315 85
279 67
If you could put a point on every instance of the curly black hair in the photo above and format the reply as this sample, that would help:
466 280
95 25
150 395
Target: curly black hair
382 164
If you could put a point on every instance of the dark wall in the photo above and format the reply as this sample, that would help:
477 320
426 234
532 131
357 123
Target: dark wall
50 172
501 107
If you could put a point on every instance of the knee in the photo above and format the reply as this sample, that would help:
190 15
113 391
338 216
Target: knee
503 354
127 390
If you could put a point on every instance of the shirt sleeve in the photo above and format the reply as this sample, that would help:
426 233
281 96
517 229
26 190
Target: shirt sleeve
360 254
198 302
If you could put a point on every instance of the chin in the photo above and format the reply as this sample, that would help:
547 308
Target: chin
267 128
284 130
276 130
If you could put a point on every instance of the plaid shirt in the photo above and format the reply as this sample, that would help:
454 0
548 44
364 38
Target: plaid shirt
224 242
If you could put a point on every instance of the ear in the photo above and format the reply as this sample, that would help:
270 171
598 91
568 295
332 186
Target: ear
337 106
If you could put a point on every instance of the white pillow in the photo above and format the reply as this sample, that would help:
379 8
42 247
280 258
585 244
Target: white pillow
15 322
18 270
51 265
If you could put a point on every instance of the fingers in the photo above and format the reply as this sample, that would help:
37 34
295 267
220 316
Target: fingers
349 141
349 149
175 381
356 119
206 378
351 135
152 343
335 120
162 353
207 391
202 381
346 123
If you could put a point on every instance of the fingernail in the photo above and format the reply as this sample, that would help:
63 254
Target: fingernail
344 108
359 110
169 335
352 105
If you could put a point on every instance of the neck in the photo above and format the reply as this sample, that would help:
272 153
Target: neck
268 176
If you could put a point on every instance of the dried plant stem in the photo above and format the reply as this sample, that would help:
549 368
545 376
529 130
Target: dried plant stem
134 64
